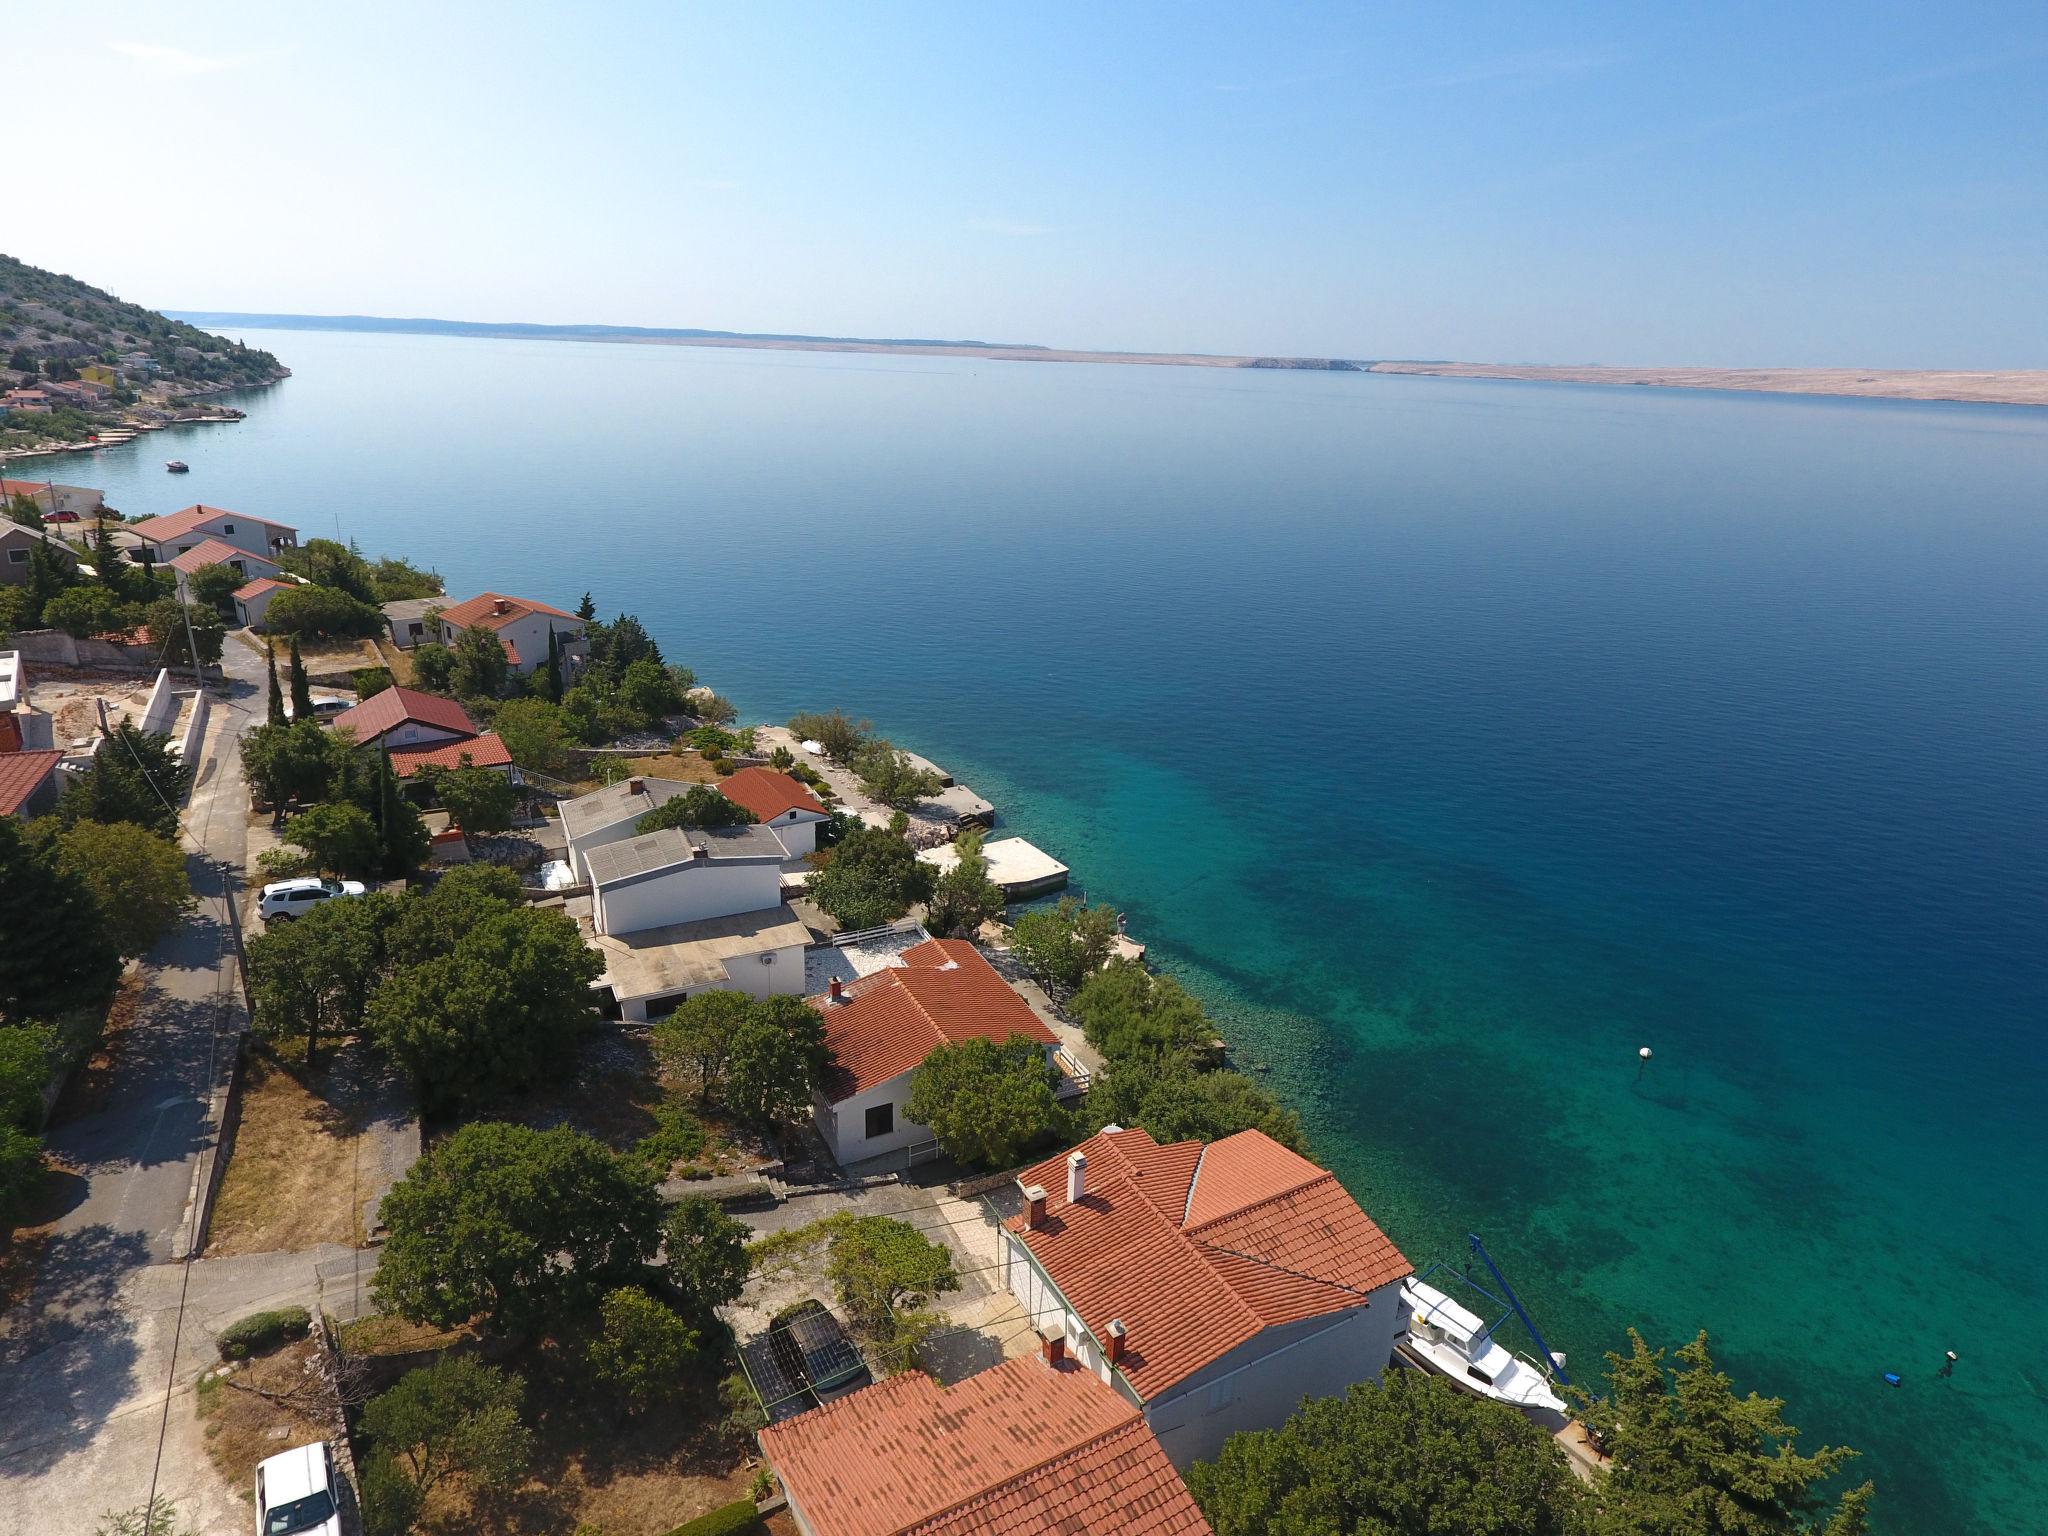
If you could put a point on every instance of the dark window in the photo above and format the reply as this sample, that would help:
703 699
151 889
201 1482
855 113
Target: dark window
227 527
881 1120
18 556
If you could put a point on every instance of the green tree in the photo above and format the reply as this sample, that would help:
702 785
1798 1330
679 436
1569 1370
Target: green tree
133 777
403 841
1129 1014
114 572
329 563
301 762
137 879
315 976
535 734
159 1517
841 738
706 1254
433 666
891 777
698 806
963 898
56 956
986 1103
275 714
1177 1103
769 1072
82 611
23 509
391 1500
339 838
456 1417
878 1263
586 610
478 666
1693 1459
398 580
553 681
322 611
480 799
368 682
215 586
168 624
642 1352
1064 944
522 1227
781 759
715 707
803 1023
21 1174
646 688
301 685
27 1054
695 1043
871 878
496 1013
1406 1455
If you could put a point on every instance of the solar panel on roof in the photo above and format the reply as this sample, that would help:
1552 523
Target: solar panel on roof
829 1358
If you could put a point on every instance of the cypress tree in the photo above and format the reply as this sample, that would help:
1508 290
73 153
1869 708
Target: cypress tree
107 562
276 693
554 666
586 610
302 692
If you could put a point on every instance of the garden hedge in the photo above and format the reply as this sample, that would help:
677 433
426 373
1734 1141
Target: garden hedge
261 1332
738 1516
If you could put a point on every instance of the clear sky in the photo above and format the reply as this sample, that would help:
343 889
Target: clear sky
1635 183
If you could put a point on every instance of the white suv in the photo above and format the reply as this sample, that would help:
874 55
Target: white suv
287 899
295 1492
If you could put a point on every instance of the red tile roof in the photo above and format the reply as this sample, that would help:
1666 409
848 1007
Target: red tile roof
483 609
485 751
21 775
259 585
213 552
889 1022
157 529
1023 1449
768 794
1197 1249
395 705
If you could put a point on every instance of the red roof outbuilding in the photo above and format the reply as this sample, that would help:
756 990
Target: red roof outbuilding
1023 1449
885 1024
768 794
485 751
21 775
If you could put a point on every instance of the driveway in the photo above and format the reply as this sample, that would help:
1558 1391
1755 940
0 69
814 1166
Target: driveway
85 1360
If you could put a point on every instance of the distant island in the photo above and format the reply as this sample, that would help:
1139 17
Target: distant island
2006 387
75 360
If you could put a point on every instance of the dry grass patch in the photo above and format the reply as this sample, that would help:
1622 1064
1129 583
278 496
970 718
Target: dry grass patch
290 1180
687 767
244 1419
380 1334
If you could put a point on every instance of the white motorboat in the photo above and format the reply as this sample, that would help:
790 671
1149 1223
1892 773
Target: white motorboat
1438 1335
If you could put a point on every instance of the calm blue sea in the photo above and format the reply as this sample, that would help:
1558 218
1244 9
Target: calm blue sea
1452 739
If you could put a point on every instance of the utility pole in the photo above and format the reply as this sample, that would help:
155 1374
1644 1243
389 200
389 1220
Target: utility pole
191 645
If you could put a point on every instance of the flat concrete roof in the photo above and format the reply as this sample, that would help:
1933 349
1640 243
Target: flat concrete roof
414 607
615 803
615 863
1015 865
679 956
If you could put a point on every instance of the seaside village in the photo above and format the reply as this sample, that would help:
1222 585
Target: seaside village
751 1098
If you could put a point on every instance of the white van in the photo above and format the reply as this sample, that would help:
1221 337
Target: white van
296 1492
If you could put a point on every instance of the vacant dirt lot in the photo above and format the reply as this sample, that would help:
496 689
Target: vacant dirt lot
244 1419
292 1179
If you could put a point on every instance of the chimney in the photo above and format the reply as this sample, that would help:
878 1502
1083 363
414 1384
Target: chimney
1115 1341
1034 1205
1052 1348
1077 1177
636 786
838 991
500 606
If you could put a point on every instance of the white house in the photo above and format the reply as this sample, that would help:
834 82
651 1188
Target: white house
522 627
883 1026
611 815
1214 1285
165 538
215 552
678 912
80 501
780 804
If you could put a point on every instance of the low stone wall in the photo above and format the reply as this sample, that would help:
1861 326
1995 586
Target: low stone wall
161 712
54 648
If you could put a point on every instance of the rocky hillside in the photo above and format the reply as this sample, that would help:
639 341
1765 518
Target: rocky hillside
52 325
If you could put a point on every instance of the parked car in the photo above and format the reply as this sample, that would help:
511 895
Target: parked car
296 1492
283 900
60 517
323 708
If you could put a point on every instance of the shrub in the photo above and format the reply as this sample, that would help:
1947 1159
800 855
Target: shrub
642 1350
740 1515
391 1499
322 611
261 1332
676 1135
371 681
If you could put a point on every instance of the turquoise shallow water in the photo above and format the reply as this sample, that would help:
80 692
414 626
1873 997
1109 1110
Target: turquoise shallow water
1452 739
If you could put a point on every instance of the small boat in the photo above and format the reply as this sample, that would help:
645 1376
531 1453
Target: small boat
1442 1337
177 466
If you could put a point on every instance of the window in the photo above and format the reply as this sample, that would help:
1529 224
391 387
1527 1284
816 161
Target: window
227 527
881 1120
1221 1394
18 556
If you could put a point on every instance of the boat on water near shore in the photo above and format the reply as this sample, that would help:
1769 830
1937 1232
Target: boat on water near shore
1438 1335
177 466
